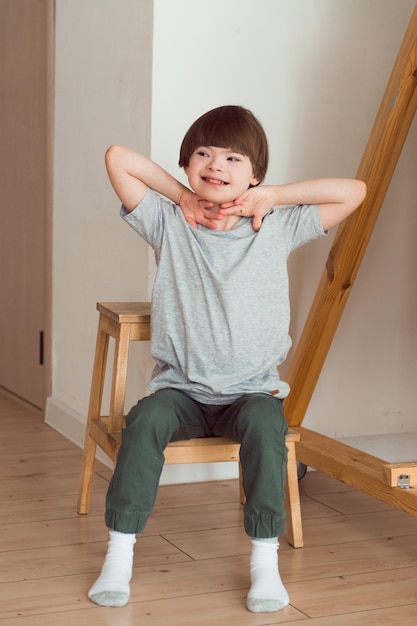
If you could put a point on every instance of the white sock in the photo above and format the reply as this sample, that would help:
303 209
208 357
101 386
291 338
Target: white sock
267 593
112 586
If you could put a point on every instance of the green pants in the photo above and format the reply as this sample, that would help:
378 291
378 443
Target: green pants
256 421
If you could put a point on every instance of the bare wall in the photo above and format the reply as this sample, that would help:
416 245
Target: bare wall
313 71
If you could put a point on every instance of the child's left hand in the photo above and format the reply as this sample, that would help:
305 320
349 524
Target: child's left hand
256 202
196 210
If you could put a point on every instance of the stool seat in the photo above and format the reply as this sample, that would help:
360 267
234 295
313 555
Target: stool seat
131 321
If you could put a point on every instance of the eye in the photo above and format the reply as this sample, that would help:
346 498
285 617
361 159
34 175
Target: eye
201 153
234 159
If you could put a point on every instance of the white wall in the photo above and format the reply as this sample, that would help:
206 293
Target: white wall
314 72
103 66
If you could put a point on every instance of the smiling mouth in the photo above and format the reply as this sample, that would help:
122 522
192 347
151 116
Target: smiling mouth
214 181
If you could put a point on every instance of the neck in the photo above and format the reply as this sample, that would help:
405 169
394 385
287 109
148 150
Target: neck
227 222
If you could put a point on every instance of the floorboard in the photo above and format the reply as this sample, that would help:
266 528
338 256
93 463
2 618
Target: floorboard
358 566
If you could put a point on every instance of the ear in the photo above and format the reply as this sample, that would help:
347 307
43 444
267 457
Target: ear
254 182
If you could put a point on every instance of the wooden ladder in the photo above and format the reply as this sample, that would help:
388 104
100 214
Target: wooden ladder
380 158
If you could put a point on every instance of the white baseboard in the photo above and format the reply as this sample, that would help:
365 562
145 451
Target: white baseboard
71 425
394 448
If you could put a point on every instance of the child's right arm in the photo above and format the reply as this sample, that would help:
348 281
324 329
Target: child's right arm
132 173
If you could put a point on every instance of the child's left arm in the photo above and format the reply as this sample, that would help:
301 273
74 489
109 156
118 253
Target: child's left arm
336 198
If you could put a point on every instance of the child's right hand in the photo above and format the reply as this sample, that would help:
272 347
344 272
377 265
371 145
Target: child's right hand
196 210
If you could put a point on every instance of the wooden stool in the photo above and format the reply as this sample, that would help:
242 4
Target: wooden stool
130 321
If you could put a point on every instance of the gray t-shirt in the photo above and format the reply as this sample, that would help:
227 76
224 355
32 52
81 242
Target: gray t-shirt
220 303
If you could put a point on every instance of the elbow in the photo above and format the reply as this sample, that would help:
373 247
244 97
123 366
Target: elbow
361 191
112 155
357 195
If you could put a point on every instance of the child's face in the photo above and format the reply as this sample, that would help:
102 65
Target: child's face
219 175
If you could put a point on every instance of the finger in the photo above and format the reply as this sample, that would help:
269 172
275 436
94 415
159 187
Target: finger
190 221
210 224
231 210
257 223
214 216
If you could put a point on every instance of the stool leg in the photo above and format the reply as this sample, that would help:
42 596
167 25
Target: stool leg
292 501
89 456
117 398
96 394
241 490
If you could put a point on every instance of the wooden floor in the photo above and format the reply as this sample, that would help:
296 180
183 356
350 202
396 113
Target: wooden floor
358 566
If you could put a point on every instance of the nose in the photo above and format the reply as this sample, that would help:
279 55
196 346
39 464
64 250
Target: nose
215 164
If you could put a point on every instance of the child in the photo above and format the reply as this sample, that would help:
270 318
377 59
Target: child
220 319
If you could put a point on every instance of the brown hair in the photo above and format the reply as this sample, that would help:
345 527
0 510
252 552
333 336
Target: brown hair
231 127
